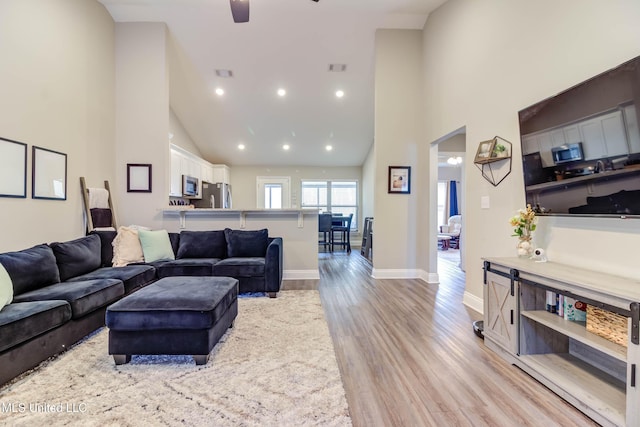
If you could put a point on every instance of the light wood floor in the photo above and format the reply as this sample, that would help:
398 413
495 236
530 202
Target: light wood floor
408 355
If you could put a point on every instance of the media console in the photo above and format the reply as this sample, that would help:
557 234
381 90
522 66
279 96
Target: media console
595 375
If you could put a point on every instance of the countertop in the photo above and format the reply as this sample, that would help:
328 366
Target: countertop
619 173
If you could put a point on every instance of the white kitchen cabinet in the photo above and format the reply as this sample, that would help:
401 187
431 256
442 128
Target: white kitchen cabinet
615 137
221 173
571 134
604 136
176 174
545 142
592 139
530 144
633 130
186 163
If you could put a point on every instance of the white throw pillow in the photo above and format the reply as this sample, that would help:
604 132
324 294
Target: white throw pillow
126 247
6 288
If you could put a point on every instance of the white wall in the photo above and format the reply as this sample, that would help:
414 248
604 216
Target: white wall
368 180
181 137
142 119
398 133
485 61
57 84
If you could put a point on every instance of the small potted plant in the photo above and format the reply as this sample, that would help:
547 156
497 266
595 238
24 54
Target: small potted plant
500 150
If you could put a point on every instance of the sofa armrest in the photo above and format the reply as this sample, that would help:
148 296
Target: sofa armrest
273 265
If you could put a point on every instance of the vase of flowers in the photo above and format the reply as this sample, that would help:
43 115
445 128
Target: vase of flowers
525 224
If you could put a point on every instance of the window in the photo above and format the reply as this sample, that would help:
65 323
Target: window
333 196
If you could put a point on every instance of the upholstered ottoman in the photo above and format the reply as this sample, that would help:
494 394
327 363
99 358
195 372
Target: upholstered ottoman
175 315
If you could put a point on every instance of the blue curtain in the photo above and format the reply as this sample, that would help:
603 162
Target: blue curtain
453 199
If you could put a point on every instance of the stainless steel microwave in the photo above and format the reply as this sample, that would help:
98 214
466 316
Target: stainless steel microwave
190 186
567 153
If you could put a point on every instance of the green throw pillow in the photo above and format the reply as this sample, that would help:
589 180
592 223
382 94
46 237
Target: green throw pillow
156 245
6 288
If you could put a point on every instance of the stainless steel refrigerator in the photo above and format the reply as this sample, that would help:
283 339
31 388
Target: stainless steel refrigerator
215 195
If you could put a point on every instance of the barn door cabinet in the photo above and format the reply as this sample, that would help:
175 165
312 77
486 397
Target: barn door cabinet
597 376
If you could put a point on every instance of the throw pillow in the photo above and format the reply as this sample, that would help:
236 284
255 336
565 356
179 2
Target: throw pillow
6 288
202 244
31 269
126 247
156 245
242 243
77 257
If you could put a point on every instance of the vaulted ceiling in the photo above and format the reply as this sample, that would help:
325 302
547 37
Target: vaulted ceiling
287 44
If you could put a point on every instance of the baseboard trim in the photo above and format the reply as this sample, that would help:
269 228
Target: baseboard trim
301 275
430 278
473 302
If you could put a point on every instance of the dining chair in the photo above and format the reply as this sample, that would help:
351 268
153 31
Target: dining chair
344 230
324 227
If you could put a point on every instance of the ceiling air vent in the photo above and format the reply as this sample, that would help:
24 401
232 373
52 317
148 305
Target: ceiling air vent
337 68
224 73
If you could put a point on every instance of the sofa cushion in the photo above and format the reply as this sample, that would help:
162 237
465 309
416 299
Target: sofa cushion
22 321
106 246
155 245
202 244
174 303
244 243
31 268
185 267
6 288
239 267
126 247
132 276
84 296
78 256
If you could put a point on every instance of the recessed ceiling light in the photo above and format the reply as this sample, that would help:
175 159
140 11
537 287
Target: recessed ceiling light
219 91
286 147
241 147
282 92
224 73
328 148
339 93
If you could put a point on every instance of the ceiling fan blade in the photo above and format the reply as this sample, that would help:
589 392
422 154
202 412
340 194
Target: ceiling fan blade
240 10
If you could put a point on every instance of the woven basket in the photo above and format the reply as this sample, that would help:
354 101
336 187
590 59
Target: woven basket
608 325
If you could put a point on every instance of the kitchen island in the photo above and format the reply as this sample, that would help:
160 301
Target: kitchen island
297 227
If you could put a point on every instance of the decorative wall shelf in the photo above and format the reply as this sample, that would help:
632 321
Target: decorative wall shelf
493 159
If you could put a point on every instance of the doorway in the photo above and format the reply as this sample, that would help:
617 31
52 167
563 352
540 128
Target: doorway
449 206
273 192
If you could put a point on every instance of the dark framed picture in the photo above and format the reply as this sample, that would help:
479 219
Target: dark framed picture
49 174
13 168
485 151
138 178
400 179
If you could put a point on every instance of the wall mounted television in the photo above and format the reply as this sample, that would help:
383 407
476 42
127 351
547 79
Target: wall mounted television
601 116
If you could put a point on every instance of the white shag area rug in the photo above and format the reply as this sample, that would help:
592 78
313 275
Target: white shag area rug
275 367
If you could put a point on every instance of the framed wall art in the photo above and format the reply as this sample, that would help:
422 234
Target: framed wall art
138 178
13 168
49 174
485 151
400 179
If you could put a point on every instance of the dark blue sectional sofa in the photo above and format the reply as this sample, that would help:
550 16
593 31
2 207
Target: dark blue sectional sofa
61 290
